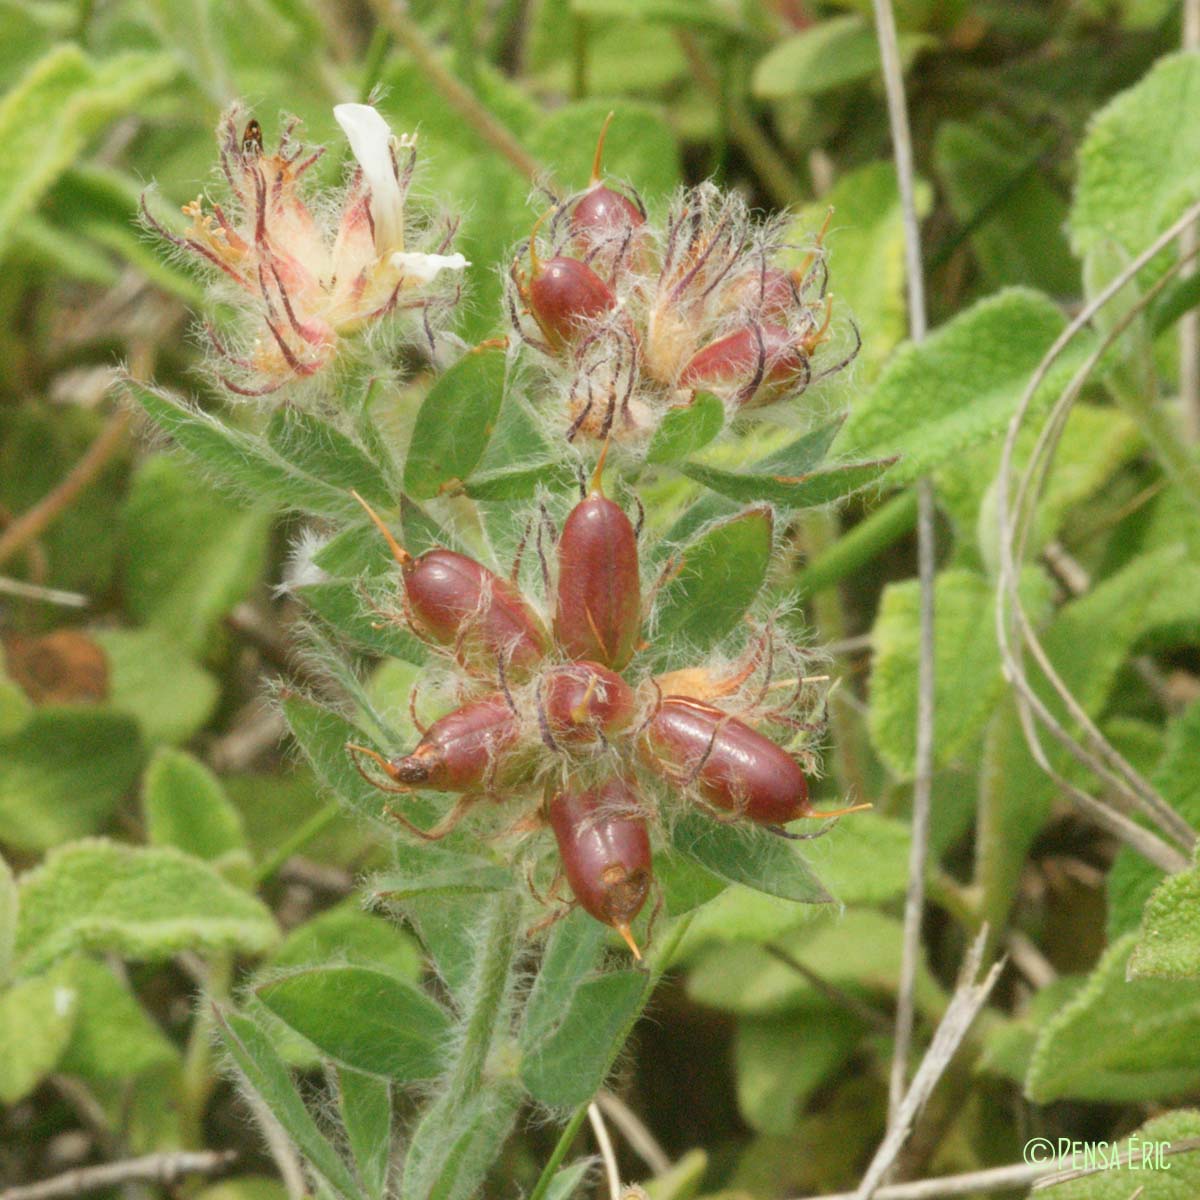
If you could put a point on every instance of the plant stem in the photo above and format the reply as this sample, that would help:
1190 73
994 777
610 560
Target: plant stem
858 546
315 824
773 170
559 1152
46 511
501 936
1165 439
459 97
162 1169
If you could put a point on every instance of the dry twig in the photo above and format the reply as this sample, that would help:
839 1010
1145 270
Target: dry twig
914 899
162 1169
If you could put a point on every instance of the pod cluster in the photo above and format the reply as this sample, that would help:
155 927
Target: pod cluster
628 319
555 706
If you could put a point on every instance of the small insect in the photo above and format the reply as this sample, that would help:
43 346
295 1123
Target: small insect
605 850
252 139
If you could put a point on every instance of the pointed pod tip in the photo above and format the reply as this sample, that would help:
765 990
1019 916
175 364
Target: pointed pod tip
627 933
399 553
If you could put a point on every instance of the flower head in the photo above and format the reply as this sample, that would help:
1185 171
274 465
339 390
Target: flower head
305 281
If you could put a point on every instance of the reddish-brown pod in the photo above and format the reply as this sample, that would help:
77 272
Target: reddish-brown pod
601 210
605 851
467 750
456 602
598 608
586 703
563 294
751 357
735 768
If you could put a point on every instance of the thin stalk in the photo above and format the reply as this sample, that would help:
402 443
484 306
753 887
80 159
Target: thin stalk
858 546
315 824
914 900
1189 324
566 1138
453 91
772 168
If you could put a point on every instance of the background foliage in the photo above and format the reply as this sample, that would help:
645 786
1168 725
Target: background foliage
183 937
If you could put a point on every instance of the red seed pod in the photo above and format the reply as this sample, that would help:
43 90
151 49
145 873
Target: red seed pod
735 767
600 210
605 851
586 703
455 601
563 293
598 613
752 357
467 750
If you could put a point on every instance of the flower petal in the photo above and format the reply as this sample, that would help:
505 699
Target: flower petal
370 141
424 267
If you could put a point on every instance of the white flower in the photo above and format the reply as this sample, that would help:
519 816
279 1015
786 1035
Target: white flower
371 142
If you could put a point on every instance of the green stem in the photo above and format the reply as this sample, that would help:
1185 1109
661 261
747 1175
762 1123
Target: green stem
373 60
453 91
493 968
1165 439
857 547
315 824
198 1077
559 1153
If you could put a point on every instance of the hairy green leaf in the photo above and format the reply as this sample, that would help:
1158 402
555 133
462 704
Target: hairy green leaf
366 1104
366 1020
1120 1039
318 449
454 424
36 1019
687 428
186 807
251 1050
1169 946
142 903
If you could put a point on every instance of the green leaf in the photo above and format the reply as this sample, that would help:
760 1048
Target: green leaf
1008 1044
967 674
570 1062
318 449
63 773
716 578
148 904
454 424
186 807
568 1179
443 872
191 554
640 145
859 951
252 1052
113 1036
747 854
240 460
999 195
802 490
572 954
346 934
686 429
959 387
47 119
9 907
366 1104
1120 1039
519 458
832 53
1169 947
866 255
781 1061
1146 1176
323 736
153 681
343 605
1132 879
36 1019
693 14
367 1020
1139 165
